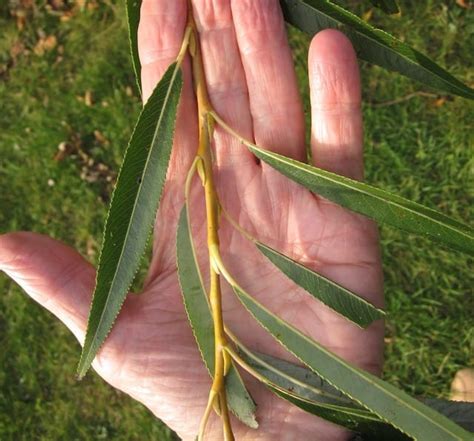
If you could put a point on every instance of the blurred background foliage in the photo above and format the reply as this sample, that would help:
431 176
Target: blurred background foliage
68 104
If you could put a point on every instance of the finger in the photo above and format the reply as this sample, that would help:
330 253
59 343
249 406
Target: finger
160 34
54 275
336 127
226 85
275 103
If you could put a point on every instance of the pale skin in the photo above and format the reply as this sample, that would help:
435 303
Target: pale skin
151 353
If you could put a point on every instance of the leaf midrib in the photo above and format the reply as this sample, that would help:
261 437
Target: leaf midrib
158 126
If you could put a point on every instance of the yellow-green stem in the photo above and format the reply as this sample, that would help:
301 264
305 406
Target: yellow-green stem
205 169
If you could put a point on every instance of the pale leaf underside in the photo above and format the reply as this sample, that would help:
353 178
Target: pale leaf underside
200 318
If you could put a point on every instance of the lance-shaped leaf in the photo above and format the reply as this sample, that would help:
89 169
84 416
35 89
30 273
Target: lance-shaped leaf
372 44
391 404
373 202
132 210
133 18
307 390
338 298
310 392
200 318
388 6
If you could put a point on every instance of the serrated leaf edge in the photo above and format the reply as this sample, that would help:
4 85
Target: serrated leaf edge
82 369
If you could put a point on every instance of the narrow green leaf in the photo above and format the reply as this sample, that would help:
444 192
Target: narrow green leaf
388 6
308 391
340 299
372 45
200 318
133 209
133 18
389 403
373 202
298 380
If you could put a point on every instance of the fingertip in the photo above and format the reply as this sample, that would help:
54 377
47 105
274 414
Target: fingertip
333 68
331 45
336 127
50 272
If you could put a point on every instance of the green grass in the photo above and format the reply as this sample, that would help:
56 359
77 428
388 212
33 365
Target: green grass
419 150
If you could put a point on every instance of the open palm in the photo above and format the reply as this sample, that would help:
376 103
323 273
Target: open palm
151 353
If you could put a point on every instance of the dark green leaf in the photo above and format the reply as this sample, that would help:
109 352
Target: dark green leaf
373 202
310 392
388 6
460 412
133 209
307 390
133 17
330 293
200 318
389 403
372 44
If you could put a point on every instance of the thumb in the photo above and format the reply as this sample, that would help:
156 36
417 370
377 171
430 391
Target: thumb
53 274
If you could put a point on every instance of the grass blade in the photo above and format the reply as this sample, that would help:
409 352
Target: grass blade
133 209
340 299
373 202
388 6
372 45
391 404
200 318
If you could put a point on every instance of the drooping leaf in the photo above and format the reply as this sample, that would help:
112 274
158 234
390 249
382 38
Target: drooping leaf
133 18
391 404
330 293
132 210
388 6
310 392
372 45
200 318
307 390
373 202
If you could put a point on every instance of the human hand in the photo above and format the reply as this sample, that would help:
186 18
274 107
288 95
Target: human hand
151 353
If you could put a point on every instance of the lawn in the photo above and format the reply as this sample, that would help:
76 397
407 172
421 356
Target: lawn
66 80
